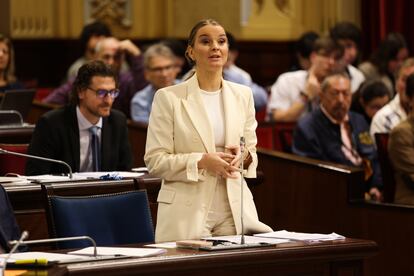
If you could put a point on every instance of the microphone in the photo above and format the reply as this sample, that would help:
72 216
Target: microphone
17 243
95 253
11 117
40 158
242 145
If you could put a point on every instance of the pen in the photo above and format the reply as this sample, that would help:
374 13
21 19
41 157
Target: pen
40 262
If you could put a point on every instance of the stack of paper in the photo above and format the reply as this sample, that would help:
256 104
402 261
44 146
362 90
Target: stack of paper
295 236
123 251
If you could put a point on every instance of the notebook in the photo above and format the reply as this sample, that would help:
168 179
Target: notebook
19 100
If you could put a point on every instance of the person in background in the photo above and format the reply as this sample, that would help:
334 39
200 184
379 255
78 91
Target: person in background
8 79
294 94
193 144
235 74
303 49
87 134
386 60
113 52
160 72
401 151
333 133
349 36
178 49
397 109
371 97
89 37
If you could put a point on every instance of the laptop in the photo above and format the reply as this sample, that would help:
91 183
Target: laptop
19 100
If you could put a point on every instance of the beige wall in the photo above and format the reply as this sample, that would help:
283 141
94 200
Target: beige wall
266 20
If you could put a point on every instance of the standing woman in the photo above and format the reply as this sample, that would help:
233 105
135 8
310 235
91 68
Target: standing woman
7 78
193 145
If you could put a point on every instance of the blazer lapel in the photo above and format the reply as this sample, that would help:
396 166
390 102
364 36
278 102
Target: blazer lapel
73 132
194 106
233 115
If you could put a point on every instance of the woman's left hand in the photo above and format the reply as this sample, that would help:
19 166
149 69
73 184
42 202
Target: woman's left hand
236 151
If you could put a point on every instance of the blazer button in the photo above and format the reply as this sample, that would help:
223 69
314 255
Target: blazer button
188 202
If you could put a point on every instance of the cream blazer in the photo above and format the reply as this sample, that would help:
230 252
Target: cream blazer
179 132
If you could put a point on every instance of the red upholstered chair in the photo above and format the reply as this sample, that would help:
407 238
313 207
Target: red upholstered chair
264 133
283 136
387 170
11 163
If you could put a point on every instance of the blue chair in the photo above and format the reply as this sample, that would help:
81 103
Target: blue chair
9 230
110 219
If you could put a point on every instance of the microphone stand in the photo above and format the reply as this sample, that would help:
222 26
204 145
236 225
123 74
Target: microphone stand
40 158
95 253
242 144
17 243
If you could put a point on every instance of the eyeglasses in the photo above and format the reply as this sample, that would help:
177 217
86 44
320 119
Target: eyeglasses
160 69
102 93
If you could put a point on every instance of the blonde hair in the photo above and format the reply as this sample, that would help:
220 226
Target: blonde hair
193 33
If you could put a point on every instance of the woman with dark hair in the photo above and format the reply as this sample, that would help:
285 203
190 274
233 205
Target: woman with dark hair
193 144
386 60
370 98
8 80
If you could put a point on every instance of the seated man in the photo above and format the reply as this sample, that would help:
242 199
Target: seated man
401 151
234 73
113 52
333 133
91 34
159 72
86 134
349 36
396 110
296 93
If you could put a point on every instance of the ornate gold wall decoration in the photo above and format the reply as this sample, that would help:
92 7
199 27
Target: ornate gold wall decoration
283 6
113 12
259 4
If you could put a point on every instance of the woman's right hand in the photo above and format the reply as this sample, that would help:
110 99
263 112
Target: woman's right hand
218 163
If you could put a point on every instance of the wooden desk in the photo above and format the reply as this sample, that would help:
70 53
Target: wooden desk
19 135
326 258
137 133
302 194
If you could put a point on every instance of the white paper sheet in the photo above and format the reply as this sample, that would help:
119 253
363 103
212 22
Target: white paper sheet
247 239
296 236
51 257
163 245
124 251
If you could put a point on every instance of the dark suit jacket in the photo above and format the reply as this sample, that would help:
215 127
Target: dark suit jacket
57 136
8 226
317 137
401 153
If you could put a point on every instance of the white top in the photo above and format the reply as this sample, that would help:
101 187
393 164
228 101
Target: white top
213 102
85 164
388 117
286 90
356 78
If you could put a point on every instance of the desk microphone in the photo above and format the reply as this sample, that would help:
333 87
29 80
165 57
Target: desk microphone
40 158
242 145
17 243
21 242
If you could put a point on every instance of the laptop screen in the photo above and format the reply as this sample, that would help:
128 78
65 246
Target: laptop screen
19 100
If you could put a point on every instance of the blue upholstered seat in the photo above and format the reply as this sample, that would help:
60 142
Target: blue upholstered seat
8 225
110 219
